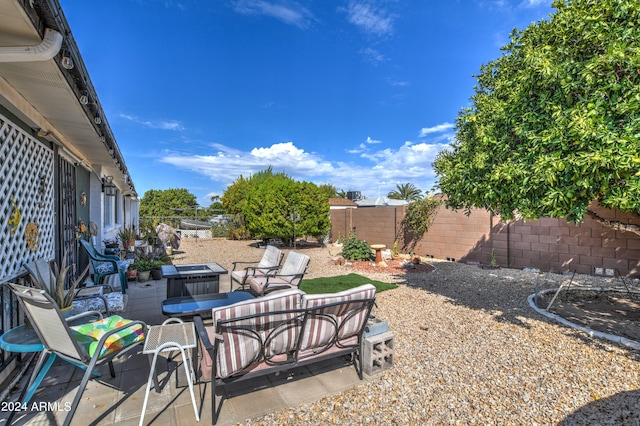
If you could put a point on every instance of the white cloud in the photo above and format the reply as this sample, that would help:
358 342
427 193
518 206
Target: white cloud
373 172
227 164
370 18
372 55
290 13
398 83
535 3
435 129
153 124
372 141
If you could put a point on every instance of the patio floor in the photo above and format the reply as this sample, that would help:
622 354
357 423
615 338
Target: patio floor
118 400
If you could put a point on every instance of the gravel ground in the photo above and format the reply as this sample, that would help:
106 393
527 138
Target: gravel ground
468 350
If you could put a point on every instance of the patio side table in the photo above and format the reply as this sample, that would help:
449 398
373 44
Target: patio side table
172 335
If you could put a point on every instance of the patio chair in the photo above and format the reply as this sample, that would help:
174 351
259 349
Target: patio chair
99 298
290 276
270 263
87 345
104 264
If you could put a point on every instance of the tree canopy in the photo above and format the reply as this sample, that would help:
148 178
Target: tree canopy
405 191
555 121
268 200
157 202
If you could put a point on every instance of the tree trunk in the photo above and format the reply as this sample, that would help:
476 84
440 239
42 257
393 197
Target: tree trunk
614 224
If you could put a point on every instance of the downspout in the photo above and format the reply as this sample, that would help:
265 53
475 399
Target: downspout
47 49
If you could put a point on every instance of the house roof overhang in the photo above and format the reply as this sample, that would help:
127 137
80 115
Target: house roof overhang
46 95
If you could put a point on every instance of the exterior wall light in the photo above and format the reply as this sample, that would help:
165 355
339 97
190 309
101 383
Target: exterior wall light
108 187
67 62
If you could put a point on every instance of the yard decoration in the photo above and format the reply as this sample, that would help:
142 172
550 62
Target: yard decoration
32 233
14 220
168 236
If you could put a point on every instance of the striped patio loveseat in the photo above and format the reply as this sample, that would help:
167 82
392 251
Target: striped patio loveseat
281 331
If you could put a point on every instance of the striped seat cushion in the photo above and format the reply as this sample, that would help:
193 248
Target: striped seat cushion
88 335
337 323
258 283
242 339
239 276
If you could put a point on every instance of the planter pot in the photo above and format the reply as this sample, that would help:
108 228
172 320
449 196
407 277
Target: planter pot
132 275
156 274
143 276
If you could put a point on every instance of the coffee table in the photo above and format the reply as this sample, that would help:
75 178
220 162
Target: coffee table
189 306
191 280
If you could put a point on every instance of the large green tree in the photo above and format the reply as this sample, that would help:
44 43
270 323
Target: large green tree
405 191
555 121
159 202
274 203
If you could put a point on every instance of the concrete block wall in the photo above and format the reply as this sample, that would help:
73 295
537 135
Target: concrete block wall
375 225
547 244
456 236
557 245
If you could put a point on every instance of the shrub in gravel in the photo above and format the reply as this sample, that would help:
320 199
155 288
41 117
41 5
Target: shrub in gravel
355 249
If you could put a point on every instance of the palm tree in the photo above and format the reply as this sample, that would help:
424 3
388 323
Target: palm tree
405 191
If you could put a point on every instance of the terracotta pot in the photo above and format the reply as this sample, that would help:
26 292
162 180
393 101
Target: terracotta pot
132 274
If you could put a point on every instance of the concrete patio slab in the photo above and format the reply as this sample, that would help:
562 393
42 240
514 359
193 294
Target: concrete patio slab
118 401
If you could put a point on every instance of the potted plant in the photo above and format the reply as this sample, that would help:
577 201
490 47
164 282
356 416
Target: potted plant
132 272
53 281
144 266
395 255
156 272
128 237
110 244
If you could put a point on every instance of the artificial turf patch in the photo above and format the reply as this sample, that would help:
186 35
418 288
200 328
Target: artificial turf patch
340 283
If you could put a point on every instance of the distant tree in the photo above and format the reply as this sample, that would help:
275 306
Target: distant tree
157 202
266 212
328 189
234 197
313 207
405 191
216 206
341 193
554 121
271 203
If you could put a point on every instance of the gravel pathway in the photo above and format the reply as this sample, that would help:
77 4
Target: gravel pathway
468 350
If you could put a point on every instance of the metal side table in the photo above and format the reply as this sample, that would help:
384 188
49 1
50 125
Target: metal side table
172 335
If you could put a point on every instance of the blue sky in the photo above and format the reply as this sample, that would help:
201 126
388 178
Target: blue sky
360 94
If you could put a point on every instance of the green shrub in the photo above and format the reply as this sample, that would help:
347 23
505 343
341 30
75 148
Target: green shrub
355 249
